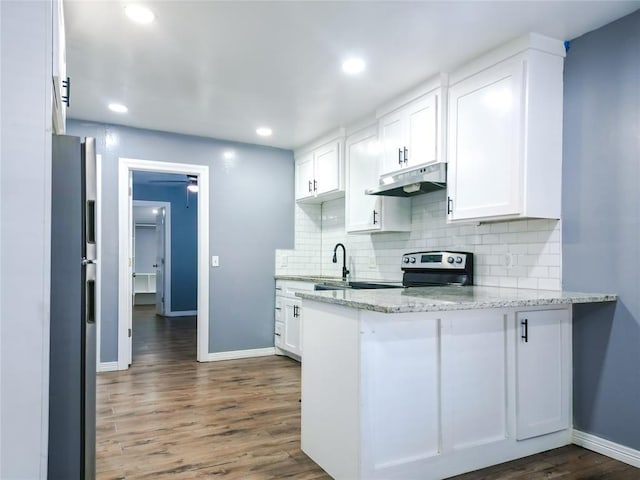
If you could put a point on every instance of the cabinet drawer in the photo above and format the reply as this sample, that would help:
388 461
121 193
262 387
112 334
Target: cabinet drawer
279 334
278 311
289 288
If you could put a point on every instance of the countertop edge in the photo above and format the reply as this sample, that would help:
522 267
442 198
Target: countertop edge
563 298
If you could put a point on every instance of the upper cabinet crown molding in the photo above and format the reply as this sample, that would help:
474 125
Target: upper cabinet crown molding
336 134
530 41
430 86
505 134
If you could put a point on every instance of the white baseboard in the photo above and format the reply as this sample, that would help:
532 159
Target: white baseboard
236 354
182 313
608 448
107 367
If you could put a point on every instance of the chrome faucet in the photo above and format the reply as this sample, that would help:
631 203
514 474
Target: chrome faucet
345 272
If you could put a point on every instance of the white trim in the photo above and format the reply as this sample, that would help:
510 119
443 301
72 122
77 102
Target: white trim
236 354
107 366
605 447
167 247
125 166
181 313
99 256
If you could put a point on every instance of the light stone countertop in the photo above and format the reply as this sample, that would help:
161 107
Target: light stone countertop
435 299
330 280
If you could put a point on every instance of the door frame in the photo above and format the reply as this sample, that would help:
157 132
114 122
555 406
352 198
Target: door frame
167 249
125 167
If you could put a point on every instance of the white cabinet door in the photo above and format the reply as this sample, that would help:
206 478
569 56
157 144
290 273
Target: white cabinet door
400 389
474 379
422 133
543 380
319 173
409 135
291 341
485 114
370 213
362 173
304 177
327 168
392 137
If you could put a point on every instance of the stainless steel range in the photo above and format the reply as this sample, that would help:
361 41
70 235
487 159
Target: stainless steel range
437 268
421 269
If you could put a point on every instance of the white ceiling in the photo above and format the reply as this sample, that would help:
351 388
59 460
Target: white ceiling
221 69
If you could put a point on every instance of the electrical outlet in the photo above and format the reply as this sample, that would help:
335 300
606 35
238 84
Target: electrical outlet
506 260
284 260
215 261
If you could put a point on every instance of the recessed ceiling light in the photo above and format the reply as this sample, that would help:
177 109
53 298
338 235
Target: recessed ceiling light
353 66
118 108
229 154
264 131
139 13
154 211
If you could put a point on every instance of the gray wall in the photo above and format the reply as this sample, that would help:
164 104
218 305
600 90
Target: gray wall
601 225
251 209
25 212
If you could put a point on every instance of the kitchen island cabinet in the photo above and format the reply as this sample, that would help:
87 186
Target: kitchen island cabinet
438 389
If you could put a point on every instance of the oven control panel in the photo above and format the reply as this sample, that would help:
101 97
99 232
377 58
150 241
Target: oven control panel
435 260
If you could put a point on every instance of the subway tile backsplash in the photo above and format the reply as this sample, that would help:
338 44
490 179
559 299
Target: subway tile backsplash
517 253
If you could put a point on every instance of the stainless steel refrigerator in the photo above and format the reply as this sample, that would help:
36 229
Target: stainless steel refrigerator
72 374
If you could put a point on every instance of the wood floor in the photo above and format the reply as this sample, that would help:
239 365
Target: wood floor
169 417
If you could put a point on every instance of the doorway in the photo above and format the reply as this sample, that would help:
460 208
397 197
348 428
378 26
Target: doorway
152 255
200 174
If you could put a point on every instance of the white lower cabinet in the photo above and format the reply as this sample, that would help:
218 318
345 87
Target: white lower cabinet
435 394
291 337
474 379
288 316
542 390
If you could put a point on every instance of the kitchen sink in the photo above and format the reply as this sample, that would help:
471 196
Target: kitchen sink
355 286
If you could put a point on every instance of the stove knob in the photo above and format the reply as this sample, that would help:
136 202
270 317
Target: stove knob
405 259
458 259
413 260
450 260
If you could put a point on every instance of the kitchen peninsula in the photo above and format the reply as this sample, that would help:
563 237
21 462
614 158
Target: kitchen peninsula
432 382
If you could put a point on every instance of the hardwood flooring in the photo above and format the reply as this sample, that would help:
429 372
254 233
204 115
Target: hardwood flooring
169 417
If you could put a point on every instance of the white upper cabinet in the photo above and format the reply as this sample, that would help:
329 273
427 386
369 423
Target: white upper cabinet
411 134
505 134
319 172
328 168
370 213
304 177
59 70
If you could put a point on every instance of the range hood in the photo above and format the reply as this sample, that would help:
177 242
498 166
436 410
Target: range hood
412 181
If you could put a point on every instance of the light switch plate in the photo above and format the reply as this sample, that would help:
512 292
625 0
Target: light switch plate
215 261
373 262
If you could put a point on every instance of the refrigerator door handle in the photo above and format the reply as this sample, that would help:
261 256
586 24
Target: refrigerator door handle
90 292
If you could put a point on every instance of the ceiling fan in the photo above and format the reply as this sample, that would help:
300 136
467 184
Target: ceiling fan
191 181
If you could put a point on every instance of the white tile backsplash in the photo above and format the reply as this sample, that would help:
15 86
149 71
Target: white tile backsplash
522 253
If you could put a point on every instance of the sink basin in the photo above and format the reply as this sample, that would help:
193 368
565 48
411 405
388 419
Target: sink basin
355 286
